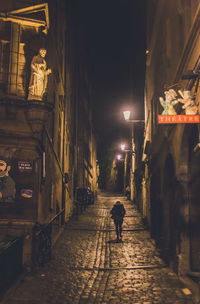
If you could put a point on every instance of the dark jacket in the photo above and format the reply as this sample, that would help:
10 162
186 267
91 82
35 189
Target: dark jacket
118 211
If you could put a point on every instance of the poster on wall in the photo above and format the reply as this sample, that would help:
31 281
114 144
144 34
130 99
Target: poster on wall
16 178
189 106
7 183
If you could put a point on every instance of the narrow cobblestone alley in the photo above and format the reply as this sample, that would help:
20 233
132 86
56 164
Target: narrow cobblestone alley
89 267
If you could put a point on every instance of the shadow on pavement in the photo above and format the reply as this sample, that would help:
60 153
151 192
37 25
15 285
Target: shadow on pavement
114 241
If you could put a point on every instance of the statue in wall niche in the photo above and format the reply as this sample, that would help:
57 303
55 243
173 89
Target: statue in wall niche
39 75
169 102
7 184
189 104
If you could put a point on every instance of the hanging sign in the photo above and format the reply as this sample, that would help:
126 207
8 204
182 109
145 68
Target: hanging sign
190 107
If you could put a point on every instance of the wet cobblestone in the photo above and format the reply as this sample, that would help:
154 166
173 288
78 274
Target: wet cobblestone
89 267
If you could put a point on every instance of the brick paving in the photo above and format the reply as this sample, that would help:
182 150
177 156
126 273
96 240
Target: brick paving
89 267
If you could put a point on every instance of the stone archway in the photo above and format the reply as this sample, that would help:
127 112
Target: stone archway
156 212
194 201
189 178
170 210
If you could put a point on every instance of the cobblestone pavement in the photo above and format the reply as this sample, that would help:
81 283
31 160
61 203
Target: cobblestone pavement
89 267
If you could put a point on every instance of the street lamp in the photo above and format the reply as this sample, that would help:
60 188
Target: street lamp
127 114
119 157
123 146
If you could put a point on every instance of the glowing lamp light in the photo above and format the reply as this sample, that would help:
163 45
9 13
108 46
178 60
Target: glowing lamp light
123 147
119 156
127 115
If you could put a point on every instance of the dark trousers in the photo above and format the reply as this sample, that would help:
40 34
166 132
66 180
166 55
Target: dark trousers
118 226
128 195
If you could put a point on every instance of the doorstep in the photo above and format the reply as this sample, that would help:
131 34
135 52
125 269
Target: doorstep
193 283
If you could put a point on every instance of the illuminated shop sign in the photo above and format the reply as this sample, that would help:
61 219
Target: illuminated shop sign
170 119
189 104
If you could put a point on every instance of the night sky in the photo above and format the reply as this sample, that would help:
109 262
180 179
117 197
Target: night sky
116 44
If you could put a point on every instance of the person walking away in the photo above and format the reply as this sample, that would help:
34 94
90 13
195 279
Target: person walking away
128 192
118 211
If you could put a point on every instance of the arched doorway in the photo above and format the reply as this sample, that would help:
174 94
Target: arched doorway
156 212
189 172
170 213
194 200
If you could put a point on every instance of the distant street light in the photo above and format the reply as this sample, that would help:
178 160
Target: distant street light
123 147
119 156
127 115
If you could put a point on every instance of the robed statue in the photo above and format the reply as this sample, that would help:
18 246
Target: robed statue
39 75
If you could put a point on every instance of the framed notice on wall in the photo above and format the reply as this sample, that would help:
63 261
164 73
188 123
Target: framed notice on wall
25 166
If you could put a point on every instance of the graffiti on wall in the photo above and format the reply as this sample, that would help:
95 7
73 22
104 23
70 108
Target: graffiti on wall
7 183
16 180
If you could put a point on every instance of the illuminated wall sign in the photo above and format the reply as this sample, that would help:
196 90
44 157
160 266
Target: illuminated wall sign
170 119
25 166
189 105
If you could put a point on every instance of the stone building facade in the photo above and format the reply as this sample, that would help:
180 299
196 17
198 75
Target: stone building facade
171 150
47 143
